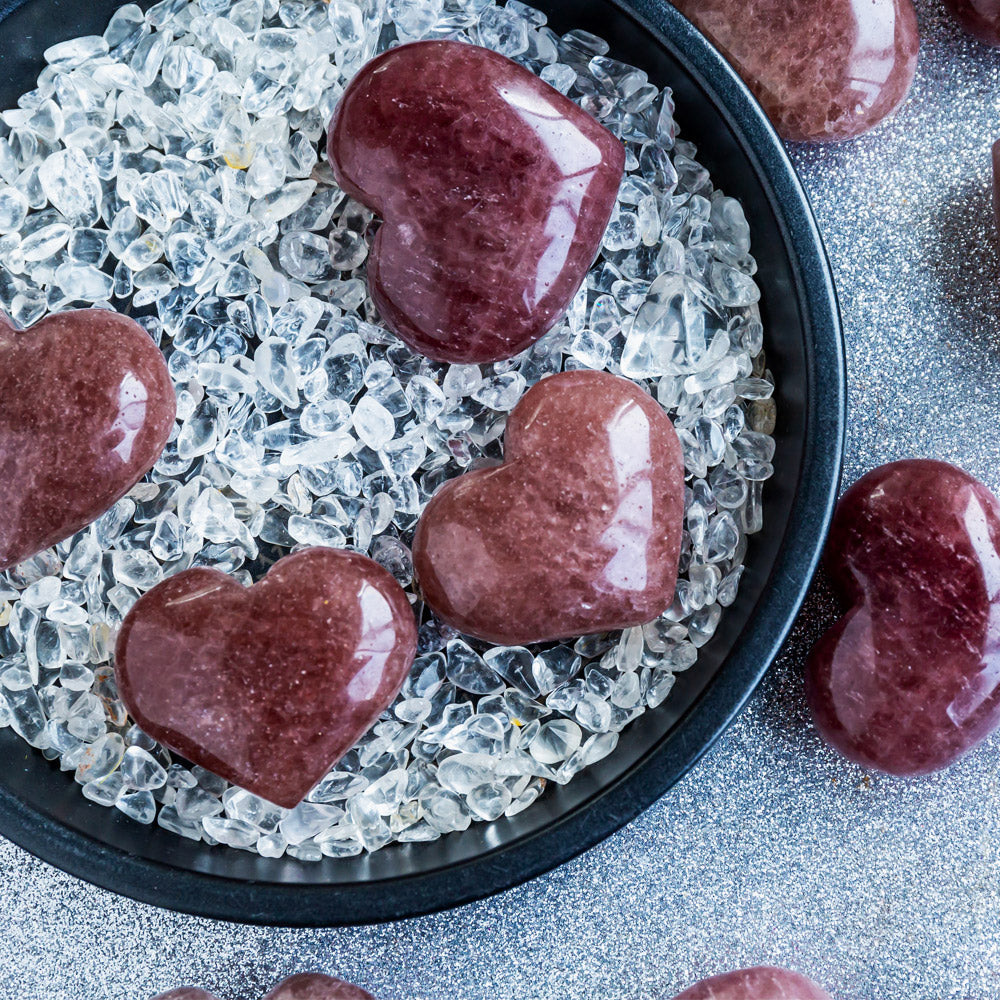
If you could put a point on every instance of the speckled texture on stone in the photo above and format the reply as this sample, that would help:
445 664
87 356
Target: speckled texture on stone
579 531
87 408
495 190
824 71
774 850
759 983
270 685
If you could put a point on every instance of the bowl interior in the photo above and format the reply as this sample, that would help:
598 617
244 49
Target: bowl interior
42 809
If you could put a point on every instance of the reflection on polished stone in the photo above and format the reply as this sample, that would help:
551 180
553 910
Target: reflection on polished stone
761 983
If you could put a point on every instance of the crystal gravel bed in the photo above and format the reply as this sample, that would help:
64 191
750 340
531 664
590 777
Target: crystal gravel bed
171 169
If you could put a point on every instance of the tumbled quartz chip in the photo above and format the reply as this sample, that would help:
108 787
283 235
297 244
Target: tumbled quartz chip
88 406
494 188
578 531
265 686
909 679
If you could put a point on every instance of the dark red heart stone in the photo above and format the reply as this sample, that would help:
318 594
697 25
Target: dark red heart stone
579 530
86 406
267 686
761 983
494 187
909 679
314 986
979 17
824 70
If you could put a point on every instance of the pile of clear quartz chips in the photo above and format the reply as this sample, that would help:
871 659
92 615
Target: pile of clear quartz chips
172 170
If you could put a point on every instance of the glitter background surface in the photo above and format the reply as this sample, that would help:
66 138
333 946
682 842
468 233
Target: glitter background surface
773 850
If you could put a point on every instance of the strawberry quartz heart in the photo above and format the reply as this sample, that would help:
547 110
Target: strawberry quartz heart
314 986
909 679
579 530
761 983
267 686
494 187
824 70
86 406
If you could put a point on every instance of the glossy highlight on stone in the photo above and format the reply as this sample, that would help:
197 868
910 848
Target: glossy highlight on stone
979 17
824 70
86 407
909 679
760 983
494 187
315 986
578 531
270 685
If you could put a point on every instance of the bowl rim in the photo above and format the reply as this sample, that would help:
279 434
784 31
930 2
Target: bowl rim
297 904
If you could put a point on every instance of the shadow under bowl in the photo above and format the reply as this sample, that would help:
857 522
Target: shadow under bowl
42 809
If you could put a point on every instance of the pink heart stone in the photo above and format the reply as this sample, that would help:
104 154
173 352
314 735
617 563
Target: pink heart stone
314 986
579 530
823 69
979 17
761 983
267 686
909 679
494 187
86 406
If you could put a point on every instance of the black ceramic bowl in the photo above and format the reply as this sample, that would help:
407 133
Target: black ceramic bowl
42 809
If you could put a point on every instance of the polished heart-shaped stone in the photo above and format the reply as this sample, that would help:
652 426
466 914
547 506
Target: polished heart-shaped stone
909 679
86 406
578 531
494 188
306 986
824 70
760 983
270 685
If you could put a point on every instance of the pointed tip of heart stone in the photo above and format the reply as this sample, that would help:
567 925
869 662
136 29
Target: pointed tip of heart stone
316 986
495 189
88 406
267 686
763 982
908 680
579 531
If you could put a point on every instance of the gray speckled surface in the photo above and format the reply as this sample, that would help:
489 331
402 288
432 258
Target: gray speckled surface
773 850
